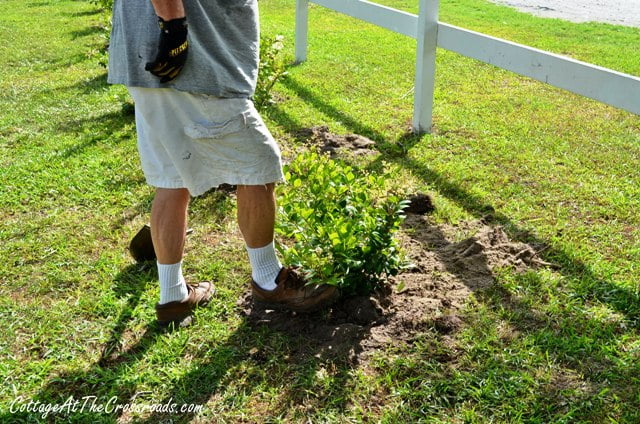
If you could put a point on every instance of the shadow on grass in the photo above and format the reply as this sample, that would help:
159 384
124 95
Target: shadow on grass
85 13
324 107
564 340
619 298
255 357
91 30
97 83
93 130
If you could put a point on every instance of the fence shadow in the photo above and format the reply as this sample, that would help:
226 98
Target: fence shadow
619 298
580 278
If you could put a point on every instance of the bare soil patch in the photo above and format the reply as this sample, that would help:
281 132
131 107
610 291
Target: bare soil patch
447 264
335 144
427 296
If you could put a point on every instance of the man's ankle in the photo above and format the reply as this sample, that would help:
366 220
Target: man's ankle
172 284
265 266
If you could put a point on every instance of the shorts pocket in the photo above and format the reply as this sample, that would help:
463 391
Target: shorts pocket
216 130
225 145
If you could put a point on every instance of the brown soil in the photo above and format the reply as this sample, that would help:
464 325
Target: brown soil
447 264
336 144
428 295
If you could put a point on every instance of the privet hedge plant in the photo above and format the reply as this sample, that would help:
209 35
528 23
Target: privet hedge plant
270 71
105 7
333 227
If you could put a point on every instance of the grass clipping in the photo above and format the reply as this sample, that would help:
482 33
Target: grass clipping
339 224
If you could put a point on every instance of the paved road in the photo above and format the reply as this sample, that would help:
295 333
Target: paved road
617 12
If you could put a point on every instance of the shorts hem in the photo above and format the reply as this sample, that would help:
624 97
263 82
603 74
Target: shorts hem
203 188
213 183
160 183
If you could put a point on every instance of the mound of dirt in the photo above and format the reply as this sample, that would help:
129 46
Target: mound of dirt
335 144
428 295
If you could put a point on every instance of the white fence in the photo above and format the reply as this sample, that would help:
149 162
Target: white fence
602 84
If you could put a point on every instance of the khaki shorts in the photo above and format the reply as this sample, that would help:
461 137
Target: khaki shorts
197 141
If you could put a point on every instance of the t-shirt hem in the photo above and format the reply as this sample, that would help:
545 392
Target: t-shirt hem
210 90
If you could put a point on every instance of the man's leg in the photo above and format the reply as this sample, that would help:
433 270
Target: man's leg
168 230
256 218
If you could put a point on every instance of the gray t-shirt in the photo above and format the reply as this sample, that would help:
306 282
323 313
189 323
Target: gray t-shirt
223 46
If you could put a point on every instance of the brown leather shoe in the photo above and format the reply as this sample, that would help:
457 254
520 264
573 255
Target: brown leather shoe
180 312
293 293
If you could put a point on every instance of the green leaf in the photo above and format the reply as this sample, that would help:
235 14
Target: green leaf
342 233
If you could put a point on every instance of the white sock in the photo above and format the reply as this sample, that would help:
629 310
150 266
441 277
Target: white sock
265 266
172 284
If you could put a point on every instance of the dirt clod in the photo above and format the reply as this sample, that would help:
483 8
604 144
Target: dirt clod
362 310
420 204
447 324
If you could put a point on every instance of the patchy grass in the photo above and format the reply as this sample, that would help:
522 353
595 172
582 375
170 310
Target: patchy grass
555 169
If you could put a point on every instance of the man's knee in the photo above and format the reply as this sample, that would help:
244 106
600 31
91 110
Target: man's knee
257 189
172 195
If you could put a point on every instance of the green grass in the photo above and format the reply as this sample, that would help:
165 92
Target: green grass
555 169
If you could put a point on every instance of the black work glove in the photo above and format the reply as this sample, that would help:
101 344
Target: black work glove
172 50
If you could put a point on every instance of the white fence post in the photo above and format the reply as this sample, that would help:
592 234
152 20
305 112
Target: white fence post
427 37
302 27
605 85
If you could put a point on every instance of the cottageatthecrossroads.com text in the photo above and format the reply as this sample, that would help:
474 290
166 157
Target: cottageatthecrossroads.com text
91 404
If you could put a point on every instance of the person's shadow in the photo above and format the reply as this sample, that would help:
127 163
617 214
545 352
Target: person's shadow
296 345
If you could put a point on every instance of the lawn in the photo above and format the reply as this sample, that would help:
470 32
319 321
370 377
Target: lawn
557 171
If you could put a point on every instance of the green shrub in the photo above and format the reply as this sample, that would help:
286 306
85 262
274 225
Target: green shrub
101 53
271 69
103 4
338 232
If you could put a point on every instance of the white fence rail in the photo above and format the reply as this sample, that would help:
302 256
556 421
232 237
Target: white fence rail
602 84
